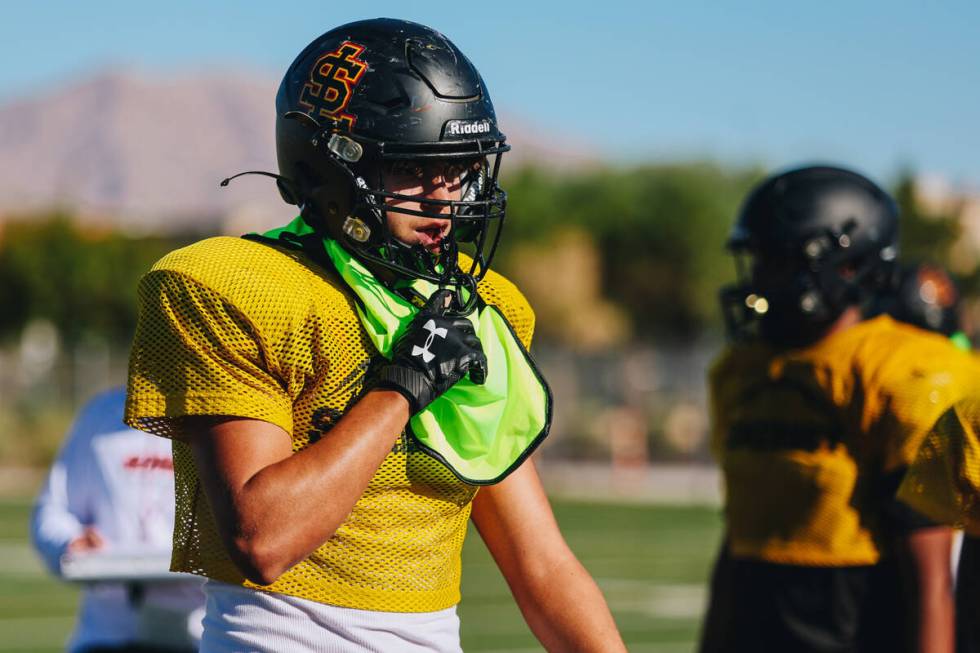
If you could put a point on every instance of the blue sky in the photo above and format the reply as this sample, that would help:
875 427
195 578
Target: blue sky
876 85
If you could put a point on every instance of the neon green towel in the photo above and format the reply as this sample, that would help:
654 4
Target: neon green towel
480 432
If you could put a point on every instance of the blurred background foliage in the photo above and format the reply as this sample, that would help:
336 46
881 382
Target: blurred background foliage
656 234
81 280
622 266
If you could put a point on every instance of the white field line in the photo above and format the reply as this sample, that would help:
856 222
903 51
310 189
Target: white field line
676 601
18 560
660 647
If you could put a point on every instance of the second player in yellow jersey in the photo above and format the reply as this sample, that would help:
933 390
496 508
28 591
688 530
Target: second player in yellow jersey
816 412
825 424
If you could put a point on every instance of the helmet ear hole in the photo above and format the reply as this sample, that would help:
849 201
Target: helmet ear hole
331 196
286 192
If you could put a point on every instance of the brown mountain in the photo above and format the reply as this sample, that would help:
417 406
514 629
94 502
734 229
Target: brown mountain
146 151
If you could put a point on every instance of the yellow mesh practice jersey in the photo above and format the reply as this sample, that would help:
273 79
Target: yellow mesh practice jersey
944 480
229 326
804 436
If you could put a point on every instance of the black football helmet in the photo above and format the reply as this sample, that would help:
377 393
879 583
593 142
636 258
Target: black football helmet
923 295
808 243
390 93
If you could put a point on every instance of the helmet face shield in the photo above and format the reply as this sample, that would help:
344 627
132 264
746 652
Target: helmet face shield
777 298
419 215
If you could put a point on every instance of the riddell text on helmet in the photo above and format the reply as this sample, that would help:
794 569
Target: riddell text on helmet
465 128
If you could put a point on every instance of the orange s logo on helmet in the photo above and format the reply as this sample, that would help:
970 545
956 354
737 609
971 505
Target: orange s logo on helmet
332 82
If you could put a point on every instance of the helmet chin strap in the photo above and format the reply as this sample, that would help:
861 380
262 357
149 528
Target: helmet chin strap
464 306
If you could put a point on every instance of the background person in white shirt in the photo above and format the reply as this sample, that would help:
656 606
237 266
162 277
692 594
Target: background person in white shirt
111 491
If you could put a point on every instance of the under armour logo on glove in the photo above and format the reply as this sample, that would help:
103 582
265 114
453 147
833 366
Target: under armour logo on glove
420 373
434 331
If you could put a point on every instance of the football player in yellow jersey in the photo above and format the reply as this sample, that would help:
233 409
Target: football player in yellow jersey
816 411
339 389
927 297
944 483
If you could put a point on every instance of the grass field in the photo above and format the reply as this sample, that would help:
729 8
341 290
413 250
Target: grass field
652 563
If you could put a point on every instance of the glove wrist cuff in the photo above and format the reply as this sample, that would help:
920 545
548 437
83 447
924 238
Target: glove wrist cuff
411 384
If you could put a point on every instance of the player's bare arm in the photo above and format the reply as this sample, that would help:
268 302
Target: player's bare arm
249 472
558 598
924 554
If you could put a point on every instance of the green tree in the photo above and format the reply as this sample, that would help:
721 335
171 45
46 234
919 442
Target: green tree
81 280
660 229
923 236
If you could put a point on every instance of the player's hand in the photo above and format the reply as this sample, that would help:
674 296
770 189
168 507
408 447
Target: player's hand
434 353
88 541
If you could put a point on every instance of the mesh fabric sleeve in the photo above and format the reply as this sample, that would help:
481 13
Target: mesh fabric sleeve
909 379
943 482
502 293
195 354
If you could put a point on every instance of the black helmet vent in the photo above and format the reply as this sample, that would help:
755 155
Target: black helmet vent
440 67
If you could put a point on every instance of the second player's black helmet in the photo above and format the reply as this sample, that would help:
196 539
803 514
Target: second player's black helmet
923 295
387 92
809 243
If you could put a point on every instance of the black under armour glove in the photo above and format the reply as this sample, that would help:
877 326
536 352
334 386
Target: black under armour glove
434 353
